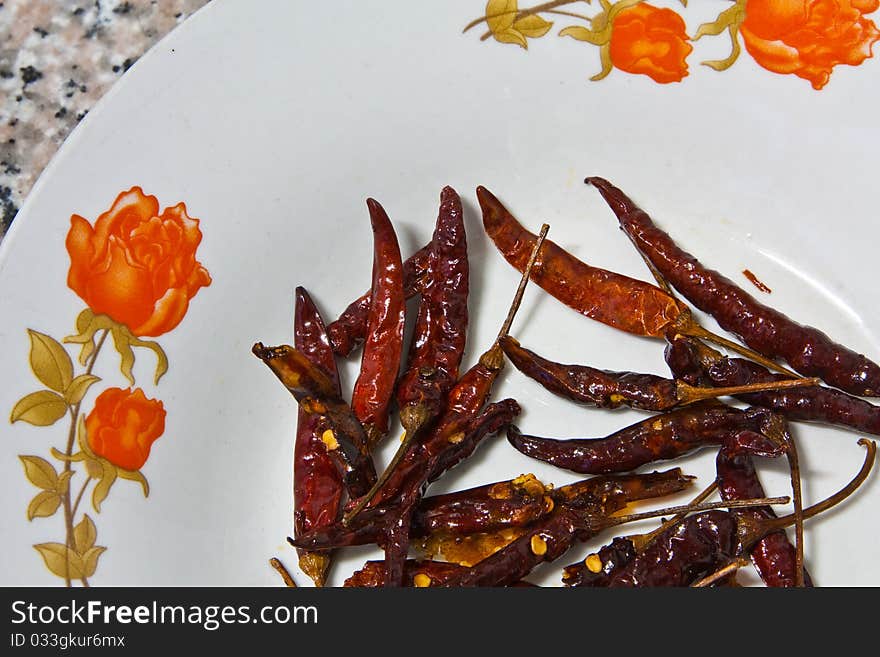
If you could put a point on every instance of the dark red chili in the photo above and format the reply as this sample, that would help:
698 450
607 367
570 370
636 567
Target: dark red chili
702 544
488 508
441 325
774 556
317 483
348 331
699 364
416 574
689 550
764 329
598 568
315 392
665 436
554 534
607 389
380 361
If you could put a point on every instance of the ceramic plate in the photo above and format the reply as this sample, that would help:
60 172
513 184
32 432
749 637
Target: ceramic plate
232 164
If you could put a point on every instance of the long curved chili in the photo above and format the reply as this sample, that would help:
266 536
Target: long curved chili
764 329
441 324
695 362
607 389
619 301
380 361
348 331
665 436
317 483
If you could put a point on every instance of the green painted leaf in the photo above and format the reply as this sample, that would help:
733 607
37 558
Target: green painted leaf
61 561
45 504
90 560
64 482
84 535
79 387
532 26
102 488
50 362
40 472
500 14
40 408
135 475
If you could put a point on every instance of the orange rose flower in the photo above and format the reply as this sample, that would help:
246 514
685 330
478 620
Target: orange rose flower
809 37
136 265
651 41
123 425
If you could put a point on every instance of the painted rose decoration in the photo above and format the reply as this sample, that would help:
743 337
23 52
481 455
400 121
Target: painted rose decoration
136 265
137 270
804 38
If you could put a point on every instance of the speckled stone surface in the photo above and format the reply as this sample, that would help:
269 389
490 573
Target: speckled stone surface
57 58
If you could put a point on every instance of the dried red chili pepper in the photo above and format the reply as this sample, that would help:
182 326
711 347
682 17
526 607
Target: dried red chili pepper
417 574
774 556
703 543
487 508
441 325
665 436
317 483
448 439
607 389
554 534
380 361
764 329
619 301
349 330
315 392
693 361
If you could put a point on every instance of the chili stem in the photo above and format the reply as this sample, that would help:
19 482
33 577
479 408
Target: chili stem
693 508
641 541
721 573
285 574
687 394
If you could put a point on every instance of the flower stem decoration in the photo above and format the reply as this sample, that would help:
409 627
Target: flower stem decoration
136 270
805 38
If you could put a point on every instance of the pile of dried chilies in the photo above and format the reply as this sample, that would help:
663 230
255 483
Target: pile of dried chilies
497 533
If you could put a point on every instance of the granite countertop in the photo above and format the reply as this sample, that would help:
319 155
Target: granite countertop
57 58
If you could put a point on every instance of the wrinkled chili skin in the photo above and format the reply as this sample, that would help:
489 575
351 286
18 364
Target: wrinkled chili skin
348 331
591 386
811 404
383 346
373 573
764 329
438 572
315 392
557 532
661 437
441 324
687 551
416 470
619 301
613 556
317 483
774 557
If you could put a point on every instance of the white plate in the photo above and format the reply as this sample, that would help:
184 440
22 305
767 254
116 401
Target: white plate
273 121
